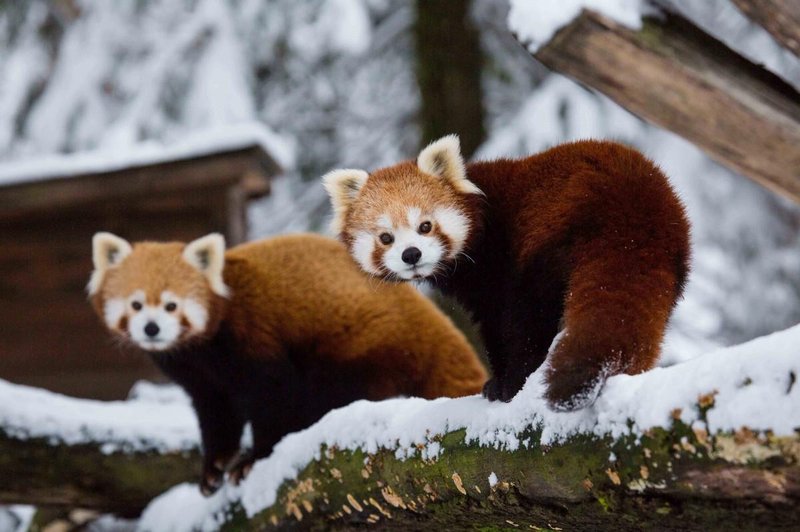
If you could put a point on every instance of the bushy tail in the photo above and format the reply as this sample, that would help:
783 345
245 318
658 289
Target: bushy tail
617 305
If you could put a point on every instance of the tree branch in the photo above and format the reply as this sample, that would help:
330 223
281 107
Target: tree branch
781 18
678 77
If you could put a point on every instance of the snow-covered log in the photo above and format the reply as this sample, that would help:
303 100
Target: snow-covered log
779 17
708 443
675 75
712 443
110 456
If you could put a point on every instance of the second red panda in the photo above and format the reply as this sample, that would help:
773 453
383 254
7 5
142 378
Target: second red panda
587 237
275 333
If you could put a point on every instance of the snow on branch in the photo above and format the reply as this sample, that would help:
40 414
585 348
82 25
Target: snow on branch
110 456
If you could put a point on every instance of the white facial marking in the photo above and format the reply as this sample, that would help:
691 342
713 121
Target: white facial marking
363 247
196 314
153 327
385 222
406 238
413 216
113 311
455 225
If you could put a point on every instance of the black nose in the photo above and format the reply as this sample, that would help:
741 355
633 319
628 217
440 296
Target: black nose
411 255
151 329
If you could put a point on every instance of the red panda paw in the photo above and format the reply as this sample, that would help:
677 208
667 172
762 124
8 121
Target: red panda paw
241 467
212 480
573 390
492 390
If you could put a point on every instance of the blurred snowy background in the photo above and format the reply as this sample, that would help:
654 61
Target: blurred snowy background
338 79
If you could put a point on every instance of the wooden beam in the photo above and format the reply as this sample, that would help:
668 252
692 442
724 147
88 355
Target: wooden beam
153 180
781 18
673 74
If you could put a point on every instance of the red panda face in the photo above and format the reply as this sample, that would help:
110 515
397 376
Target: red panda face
156 296
155 324
408 221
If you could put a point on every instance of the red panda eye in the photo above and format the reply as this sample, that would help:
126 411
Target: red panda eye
136 305
386 238
425 227
170 307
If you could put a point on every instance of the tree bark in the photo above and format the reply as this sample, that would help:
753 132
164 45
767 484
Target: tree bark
669 479
40 473
678 77
781 18
449 65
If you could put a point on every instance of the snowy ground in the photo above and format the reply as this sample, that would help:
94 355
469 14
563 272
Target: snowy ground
754 385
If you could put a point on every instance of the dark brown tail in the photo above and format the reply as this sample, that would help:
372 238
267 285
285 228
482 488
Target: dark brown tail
618 301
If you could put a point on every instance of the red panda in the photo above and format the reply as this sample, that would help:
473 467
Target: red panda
586 237
275 333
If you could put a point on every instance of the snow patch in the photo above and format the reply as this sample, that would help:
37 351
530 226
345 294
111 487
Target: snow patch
535 23
139 424
492 480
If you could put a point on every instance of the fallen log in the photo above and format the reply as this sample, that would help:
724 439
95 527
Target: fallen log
41 473
668 479
712 443
62 452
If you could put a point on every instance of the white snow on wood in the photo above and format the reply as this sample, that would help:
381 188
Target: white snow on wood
535 22
754 386
205 142
139 424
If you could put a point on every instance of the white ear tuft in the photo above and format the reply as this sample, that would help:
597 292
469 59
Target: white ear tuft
107 250
343 187
443 158
207 254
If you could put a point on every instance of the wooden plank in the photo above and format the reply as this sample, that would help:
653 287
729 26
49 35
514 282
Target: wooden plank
781 18
673 74
151 181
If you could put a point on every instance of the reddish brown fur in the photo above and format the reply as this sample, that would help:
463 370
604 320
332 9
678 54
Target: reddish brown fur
304 331
306 290
588 236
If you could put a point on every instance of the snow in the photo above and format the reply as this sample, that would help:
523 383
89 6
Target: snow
16 518
204 142
492 480
753 386
161 421
182 507
535 23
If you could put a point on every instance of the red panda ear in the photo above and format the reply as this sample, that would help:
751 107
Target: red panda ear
343 187
107 250
207 254
443 158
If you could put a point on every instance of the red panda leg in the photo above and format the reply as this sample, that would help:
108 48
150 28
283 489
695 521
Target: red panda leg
616 310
